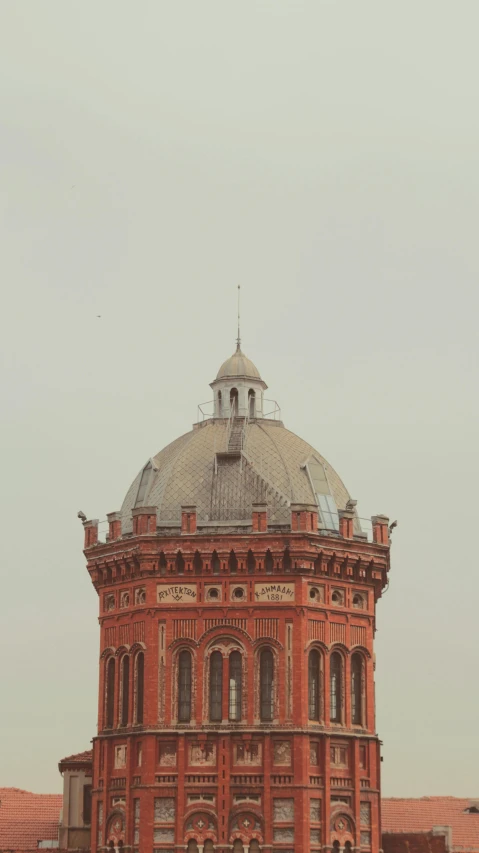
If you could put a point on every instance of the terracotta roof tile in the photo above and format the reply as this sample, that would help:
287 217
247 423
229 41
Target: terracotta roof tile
79 758
27 818
420 815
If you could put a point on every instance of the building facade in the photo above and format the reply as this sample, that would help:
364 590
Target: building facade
237 595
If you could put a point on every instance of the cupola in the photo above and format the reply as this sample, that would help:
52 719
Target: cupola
238 388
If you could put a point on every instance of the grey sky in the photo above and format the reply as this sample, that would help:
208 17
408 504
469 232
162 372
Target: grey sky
323 154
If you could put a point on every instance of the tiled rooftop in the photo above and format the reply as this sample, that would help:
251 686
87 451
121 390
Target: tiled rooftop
26 818
420 815
82 758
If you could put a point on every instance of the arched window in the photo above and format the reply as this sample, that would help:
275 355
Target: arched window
197 563
313 684
335 675
110 693
139 687
269 562
220 405
250 562
184 687
252 403
266 675
209 846
162 563
216 687
356 678
233 563
234 401
215 563
192 846
180 563
238 846
125 689
287 562
235 674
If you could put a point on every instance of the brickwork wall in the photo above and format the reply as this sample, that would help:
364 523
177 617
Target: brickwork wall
288 784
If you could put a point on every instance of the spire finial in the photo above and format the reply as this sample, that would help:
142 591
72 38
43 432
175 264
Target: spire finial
238 339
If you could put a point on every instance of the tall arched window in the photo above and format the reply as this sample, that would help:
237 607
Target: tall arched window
220 405
287 562
235 687
266 675
233 563
180 563
313 684
110 694
335 675
215 563
269 562
356 678
125 690
216 686
252 403
234 402
184 687
197 563
250 562
139 687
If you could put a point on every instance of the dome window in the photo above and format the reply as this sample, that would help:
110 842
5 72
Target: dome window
145 479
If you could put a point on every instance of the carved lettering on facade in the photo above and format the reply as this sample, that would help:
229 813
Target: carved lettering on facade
185 592
274 592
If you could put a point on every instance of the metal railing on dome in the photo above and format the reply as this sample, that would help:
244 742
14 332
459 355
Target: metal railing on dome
206 411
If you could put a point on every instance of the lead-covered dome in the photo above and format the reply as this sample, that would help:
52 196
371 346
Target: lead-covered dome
238 365
275 467
235 459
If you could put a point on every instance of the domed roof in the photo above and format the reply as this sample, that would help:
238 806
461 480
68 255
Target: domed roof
238 365
275 467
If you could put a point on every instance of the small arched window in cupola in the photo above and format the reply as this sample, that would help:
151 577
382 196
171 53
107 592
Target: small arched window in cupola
145 479
252 403
220 404
234 402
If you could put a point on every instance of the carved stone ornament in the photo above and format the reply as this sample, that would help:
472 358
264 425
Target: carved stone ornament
125 599
282 752
140 595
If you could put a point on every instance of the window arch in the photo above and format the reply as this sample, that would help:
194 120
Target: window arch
216 687
314 685
287 562
125 690
110 693
268 562
335 679
215 563
233 563
139 687
235 686
180 564
251 403
356 689
197 563
184 687
266 677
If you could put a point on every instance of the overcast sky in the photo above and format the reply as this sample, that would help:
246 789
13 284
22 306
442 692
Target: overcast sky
324 154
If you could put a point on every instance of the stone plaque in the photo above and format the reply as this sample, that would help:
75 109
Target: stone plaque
182 592
283 810
274 592
282 752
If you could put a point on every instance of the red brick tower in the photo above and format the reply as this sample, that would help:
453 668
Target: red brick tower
237 609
